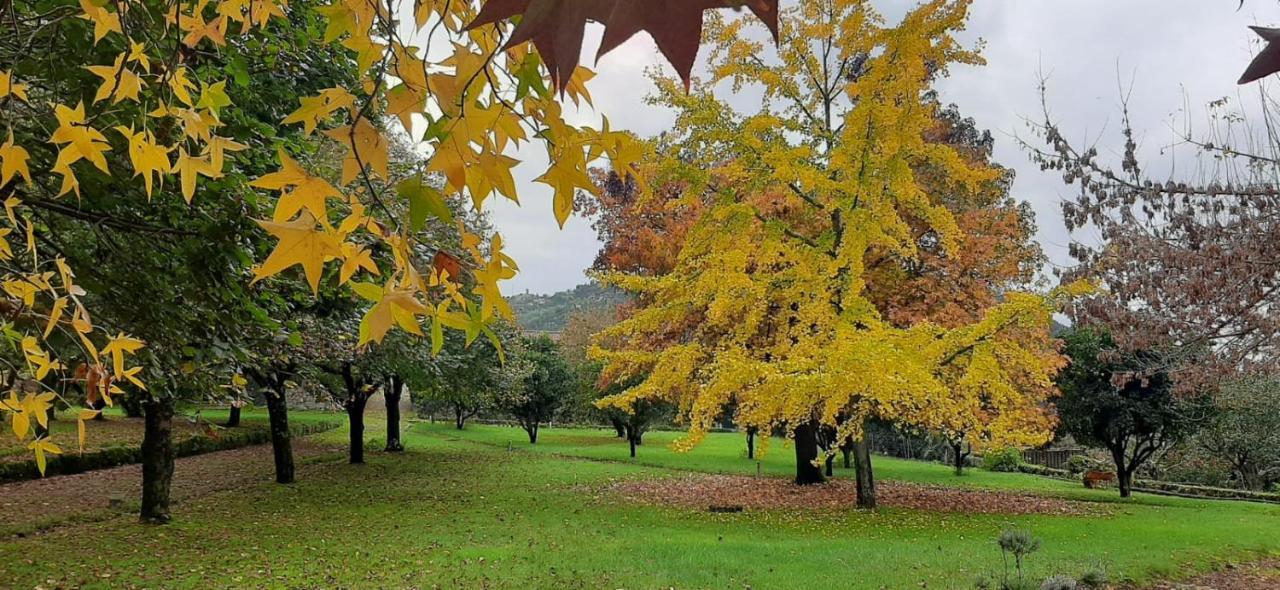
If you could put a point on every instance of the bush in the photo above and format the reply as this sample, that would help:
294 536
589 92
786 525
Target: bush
1059 583
1078 464
1007 460
1094 579
70 463
1034 469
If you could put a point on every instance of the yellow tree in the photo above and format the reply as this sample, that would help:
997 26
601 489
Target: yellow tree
767 304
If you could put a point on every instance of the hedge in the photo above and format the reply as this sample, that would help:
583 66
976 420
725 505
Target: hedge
1166 488
72 463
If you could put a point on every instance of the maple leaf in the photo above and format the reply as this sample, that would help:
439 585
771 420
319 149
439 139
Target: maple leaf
103 20
402 102
301 244
213 97
565 178
309 192
118 82
314 108
85 141
365 147
355 258
1268 61
117 347
13 161
556 27
84 415
198 29
146 156
392 306
10 88
181 86
41 446
217 149
189 170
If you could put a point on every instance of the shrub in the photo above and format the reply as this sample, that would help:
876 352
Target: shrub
1059 583
1094 579
1078 464
1006 459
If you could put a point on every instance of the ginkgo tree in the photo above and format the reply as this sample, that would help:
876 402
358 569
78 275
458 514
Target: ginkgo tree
767 305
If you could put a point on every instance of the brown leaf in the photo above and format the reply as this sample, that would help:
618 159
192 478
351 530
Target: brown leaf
556 27
1267 62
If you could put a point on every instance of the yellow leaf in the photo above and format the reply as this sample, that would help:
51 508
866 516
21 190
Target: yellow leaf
354 259
566 179
301 242
313 109
393 306
13 161
10 88
41 446
198 29
118 82
181 86
103 20
365 147
148 158
117 347
189 169
55 314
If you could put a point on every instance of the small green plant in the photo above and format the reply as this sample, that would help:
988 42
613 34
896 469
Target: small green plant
1094 579
1019 544
1059 583
1007 459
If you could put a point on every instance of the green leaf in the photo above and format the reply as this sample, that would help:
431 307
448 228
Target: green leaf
424 200
239 70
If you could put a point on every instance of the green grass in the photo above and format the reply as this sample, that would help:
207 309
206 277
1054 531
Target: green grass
461 511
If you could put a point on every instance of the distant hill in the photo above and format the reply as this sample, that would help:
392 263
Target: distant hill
550 313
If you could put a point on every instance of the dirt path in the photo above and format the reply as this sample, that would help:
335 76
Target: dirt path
1262 575
31 506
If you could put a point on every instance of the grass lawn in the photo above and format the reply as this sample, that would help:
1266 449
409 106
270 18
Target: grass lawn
461 511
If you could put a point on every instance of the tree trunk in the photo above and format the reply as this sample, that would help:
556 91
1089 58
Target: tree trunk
132 406
391 393
157 461
1124 472
751 442
632 441
846 449
866 481
460 418
618 426
533 433
957 457
355 418
806 442
281 439
233 417
99 405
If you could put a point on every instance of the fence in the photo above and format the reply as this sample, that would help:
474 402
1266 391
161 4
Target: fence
1055 458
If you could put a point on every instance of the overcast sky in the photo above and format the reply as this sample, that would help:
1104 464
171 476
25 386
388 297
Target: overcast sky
1177 52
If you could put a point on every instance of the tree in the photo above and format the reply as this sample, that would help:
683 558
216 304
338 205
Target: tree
996 253
1245 431
1109 400
1188 264
548 382
767 304
467 380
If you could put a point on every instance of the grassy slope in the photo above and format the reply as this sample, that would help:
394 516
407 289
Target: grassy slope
465 513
